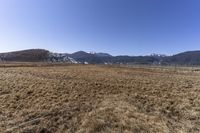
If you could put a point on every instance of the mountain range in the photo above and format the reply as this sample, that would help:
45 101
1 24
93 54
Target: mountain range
82 57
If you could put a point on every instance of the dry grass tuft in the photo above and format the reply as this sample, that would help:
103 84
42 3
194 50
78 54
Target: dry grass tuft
116 115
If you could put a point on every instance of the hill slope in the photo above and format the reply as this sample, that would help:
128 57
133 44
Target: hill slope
31 55
34 55
41 55
185 58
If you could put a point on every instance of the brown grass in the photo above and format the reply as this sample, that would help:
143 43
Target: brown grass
88 99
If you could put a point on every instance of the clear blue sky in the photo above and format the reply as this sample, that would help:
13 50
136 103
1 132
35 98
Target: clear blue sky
133 27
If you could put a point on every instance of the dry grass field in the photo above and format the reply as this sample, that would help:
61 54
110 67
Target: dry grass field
102 99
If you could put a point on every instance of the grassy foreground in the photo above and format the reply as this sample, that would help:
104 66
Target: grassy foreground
88 99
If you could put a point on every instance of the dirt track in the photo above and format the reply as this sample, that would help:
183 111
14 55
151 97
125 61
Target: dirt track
81 99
